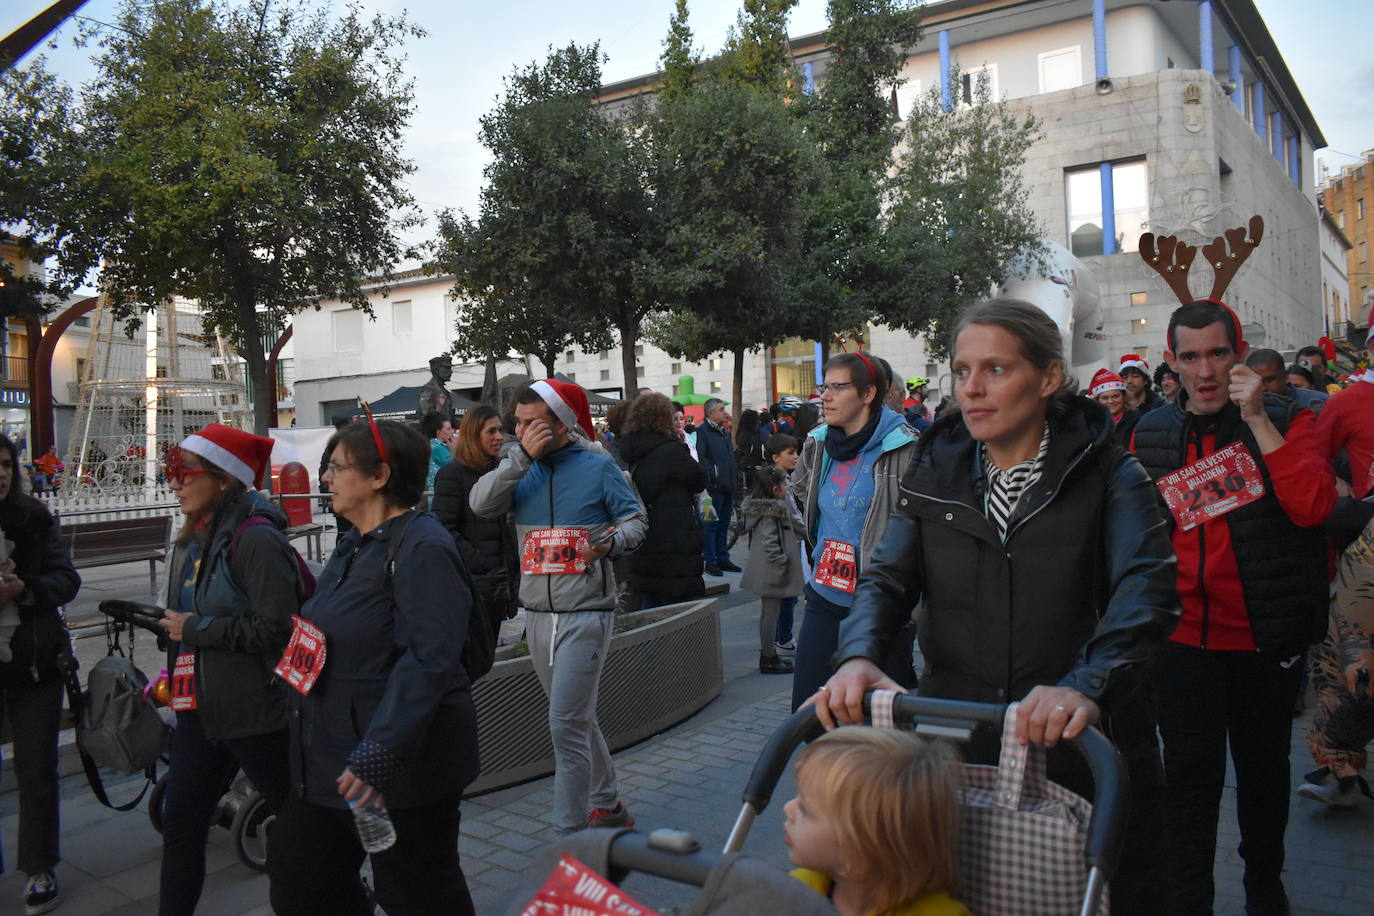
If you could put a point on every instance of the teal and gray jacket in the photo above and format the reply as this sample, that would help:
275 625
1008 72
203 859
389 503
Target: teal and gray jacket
573 487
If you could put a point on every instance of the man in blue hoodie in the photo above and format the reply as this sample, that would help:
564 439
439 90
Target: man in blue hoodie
716 453
574 510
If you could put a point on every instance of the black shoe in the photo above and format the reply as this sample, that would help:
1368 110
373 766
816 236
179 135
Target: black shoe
731 567
773 664
712 570
40 895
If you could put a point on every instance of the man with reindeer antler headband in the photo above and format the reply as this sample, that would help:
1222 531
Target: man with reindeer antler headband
1246 485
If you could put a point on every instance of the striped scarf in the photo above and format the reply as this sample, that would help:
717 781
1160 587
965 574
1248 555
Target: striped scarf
1004 488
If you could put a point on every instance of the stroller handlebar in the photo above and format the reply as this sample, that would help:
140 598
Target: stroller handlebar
958 717
134 613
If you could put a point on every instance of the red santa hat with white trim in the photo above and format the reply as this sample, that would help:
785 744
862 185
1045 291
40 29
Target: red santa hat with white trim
1106 380
568 402
239 454
1132 361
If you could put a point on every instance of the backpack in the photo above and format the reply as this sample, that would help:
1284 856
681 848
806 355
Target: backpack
479 648
116 726
305 585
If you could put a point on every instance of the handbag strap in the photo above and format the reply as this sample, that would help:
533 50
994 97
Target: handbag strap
1020 768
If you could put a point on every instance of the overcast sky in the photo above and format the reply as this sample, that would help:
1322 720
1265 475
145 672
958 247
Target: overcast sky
471 45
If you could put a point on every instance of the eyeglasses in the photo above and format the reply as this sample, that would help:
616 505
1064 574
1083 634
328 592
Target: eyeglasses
174 466
334 467
836 387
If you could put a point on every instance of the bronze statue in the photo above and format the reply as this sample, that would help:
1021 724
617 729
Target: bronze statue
435 396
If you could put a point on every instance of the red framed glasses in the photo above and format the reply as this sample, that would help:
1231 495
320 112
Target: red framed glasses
174 466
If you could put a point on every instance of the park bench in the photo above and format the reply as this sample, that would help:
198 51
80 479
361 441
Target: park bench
123 540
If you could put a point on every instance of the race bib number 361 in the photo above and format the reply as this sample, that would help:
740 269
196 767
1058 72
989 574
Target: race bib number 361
837 567
1212 486
553 552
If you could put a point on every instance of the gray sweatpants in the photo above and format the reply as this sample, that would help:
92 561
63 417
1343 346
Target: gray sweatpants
568 651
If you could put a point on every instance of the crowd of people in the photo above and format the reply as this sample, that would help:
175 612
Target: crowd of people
1152 554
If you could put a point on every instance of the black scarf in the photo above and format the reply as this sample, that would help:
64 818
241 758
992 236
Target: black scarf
846 448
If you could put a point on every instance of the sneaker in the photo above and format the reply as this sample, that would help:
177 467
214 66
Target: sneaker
773 664
713 570
619 816
788 646
40 895
731 567
1339 793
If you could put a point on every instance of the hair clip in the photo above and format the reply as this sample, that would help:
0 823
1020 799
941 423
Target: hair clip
376 433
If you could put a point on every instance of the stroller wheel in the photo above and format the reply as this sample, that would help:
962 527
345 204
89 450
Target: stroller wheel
155 800
249 831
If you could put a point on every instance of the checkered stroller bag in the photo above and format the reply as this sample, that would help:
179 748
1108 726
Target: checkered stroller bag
1021 849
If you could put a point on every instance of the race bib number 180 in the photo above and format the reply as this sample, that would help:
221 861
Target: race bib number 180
553 552
1212 486
303 660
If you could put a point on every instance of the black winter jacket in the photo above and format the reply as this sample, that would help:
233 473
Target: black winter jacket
1083 589
668 564
242 619
487 545
392 702
1282 566
43 562
717 456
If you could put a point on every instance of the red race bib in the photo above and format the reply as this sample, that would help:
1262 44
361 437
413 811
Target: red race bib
183 682
1212 486
575 890
303 660
837 567
553 552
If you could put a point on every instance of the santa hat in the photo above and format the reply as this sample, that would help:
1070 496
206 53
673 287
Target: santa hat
1106 380
568 403
1132 361
239 454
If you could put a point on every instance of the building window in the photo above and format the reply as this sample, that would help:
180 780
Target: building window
908 97
1359 173
568 357
1364 252
1131 196
975 80
1139 299
1138 325
83 322
400 317
1359 208
604 354
676 369
713 365
80 370
605 375
639 349
1340 218
639 372
348 331
932 370
675 390
1061 69
715 387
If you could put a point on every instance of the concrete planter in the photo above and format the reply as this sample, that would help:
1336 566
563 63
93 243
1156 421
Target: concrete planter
656 675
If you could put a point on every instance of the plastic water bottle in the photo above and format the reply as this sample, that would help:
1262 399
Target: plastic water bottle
374 826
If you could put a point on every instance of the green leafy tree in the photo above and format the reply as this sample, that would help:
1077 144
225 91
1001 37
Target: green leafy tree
504 319
959 207
565 225
247 157
679 58
756 49
41 162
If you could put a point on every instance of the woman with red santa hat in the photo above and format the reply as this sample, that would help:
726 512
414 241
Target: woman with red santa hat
1109 389
233 586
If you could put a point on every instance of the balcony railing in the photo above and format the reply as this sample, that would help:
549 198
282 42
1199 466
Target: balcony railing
16 371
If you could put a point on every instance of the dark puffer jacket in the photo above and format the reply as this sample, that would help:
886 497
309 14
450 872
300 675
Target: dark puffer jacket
42 561
1082 590
668 564
242 619
487 545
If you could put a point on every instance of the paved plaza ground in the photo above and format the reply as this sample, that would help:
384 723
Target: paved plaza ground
690 777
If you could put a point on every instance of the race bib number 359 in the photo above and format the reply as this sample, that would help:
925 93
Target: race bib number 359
553 552
1212 486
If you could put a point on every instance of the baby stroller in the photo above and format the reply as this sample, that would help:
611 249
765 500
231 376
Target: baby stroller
1028 846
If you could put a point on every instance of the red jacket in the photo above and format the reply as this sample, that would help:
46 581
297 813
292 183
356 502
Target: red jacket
1347 422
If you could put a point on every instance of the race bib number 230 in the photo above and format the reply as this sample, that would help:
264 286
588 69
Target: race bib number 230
1212 486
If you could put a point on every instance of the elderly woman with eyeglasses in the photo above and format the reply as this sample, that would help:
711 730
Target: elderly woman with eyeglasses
846 483
382 717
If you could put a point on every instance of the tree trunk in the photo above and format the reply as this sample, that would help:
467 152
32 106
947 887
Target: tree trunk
547 358
826 335
256 358
737 386
629 363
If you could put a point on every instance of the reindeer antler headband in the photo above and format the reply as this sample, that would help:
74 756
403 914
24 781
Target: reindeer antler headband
1172 258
